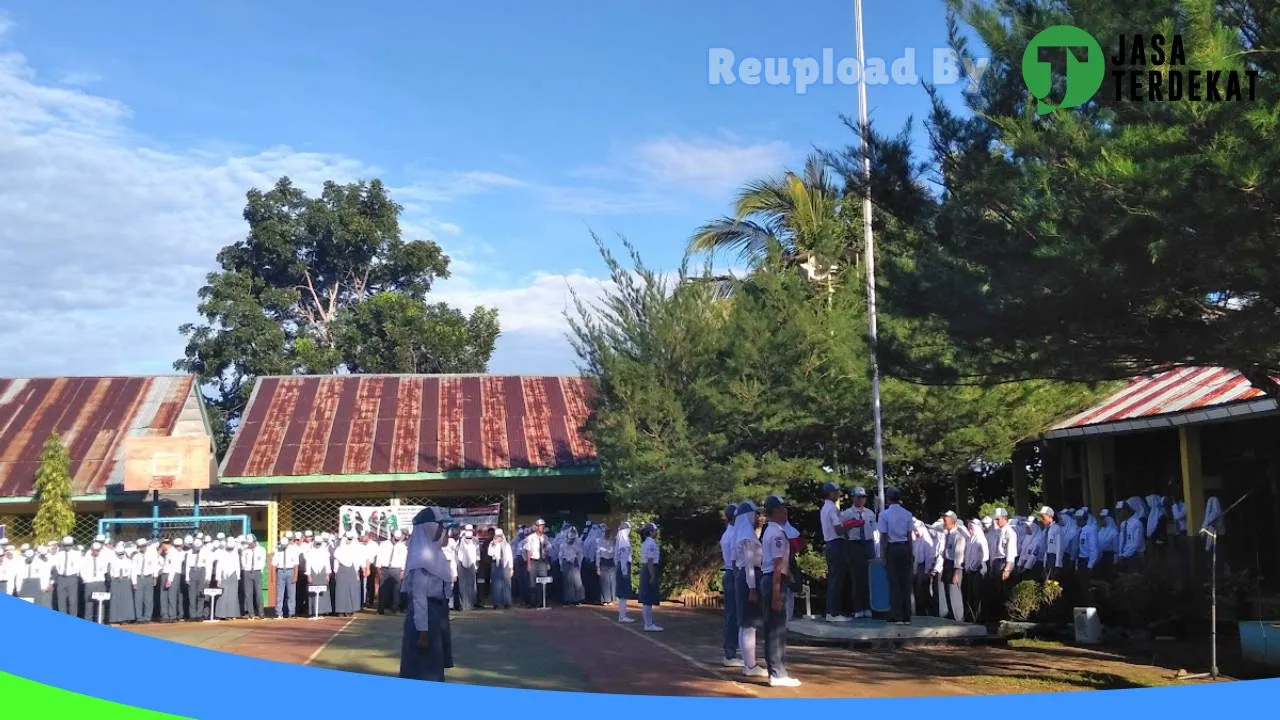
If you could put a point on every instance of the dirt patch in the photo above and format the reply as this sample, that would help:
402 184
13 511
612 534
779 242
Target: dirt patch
290 641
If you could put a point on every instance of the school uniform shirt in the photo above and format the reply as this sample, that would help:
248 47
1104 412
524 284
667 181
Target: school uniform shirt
38 568
775 548
536 547
1132 538
923 550
123 567
895 524
726 547
384 553
9 573
369 553
253 559
175 564
1108 539
954 545
399 556
976 553
748 556
1087 546
284 560
147 563
830 519
649 552
66 563
203 559
95 568
500 554
1053 544
226 566
1004 545
293 555
1179 511
1071 541
868 530
319 559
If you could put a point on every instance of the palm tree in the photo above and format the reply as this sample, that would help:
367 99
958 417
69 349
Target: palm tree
792 218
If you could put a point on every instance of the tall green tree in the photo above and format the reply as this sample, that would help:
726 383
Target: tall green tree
55 513
1100 242
322 285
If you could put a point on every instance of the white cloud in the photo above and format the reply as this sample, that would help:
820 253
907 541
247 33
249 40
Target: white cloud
80 79
664 174
105 238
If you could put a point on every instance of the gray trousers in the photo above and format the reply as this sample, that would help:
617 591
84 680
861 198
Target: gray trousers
251 589
775 628
66 590
144 598
171 599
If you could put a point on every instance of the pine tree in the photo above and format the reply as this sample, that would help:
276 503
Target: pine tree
55 515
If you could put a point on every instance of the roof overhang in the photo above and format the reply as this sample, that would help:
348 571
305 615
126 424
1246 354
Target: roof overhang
468 474
1203 416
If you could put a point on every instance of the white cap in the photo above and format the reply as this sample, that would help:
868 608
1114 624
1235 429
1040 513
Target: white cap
68 540
1001 513
1046 510
221 536
25 547
950 514
177 542
541 522
1082 513
96 546
142 541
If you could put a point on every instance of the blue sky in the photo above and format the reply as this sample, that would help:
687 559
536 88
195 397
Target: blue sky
508 129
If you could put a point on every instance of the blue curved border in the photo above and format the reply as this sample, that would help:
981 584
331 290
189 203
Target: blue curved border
57 650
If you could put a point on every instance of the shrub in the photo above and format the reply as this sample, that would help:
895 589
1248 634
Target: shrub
1024 601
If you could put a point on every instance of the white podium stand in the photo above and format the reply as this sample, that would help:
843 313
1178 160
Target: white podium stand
544 582
316 591
213 594
100 598
29 599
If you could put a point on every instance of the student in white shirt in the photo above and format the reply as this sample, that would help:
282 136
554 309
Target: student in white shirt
728 591
468 566
773 595
895 524
124 580
146 565
66 577
1132 535
391 563
833 546
650 586
949 568
862 541
537 549
606 566
501 570
94 572
34 578
253 560
1052 543
284 563
976 556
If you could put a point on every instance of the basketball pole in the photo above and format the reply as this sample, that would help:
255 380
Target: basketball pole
155 514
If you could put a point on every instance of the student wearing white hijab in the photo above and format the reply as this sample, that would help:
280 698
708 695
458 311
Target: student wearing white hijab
426 584
728 590
949 569
450 547
35 578
501 570
226 574
622 556
124 580
925 553
468 554
590 573
572 592
10 565
1132 534
1108 544
976 557
319 566
346 567
748 561
606 565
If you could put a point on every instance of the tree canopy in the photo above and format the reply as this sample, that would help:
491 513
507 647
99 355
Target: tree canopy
324 285
1096 243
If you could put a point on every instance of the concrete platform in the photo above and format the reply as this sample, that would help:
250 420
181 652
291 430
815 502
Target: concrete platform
921 630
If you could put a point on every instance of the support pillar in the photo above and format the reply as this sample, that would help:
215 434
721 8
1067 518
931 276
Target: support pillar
1094 471
1020 501
269 543
509 513
1192 477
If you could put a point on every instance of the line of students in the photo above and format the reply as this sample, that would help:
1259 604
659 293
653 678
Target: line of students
139 581
962 571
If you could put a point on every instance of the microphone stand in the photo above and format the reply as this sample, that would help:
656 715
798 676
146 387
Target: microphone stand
1213 599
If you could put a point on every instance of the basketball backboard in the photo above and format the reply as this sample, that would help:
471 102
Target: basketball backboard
168 463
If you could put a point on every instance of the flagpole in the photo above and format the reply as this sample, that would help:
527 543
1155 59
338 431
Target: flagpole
869 243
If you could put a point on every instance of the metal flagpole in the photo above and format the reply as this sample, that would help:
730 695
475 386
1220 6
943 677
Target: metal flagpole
869 242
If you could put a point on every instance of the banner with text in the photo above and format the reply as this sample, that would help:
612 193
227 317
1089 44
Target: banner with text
381 521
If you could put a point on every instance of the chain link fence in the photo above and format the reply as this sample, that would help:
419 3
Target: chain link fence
21 528
322 514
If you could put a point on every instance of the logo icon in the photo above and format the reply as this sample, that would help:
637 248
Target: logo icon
1084 70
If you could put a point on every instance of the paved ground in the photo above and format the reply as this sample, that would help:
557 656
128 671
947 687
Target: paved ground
585 649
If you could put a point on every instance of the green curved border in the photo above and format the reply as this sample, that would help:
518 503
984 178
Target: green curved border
32 700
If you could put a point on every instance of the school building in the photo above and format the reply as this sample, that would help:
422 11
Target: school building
312 444
1188 433
93 416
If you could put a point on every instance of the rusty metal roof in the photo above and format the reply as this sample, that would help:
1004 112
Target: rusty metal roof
1201 394
410 424
93 415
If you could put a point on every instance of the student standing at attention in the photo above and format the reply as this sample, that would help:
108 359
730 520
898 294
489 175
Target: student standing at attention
777 564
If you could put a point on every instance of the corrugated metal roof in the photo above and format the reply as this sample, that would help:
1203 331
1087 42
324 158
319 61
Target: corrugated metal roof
1173 391
405 424
93 415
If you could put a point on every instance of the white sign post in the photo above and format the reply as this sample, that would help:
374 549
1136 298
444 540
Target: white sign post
316 591
100 598
213 594
544 582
